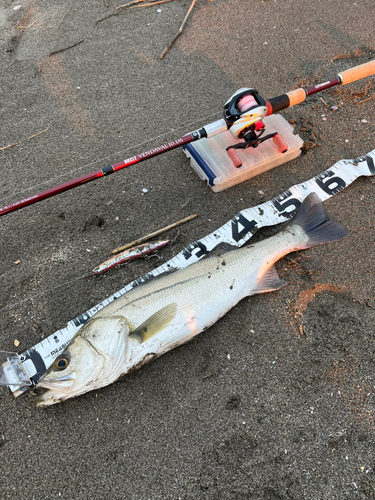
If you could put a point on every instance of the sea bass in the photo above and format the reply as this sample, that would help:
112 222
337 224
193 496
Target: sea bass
174 307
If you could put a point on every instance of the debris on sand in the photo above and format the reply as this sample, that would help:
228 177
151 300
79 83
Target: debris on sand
151 235
23 140
179 30
133 5
66 48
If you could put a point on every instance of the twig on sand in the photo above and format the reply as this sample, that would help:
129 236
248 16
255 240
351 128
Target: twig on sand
24 140
371 96
66 48
109 15
341 56
119 9
132 5
126 5
156 233
179 31
28 26
149 4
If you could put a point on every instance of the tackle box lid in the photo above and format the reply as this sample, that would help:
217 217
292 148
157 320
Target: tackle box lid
209 158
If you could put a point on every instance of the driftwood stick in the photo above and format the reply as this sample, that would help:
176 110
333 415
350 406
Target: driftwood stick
125 5
106 17
179 31
371 96
156 233
24 140
109 15
66 48
28 26
131 5
150 4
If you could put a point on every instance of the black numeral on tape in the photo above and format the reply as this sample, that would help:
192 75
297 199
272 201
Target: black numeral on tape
241 227
330 183
188 251
284 201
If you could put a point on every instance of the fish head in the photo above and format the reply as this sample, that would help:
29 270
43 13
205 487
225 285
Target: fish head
94 358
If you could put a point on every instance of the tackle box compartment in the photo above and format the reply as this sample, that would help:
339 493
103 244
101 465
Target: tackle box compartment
209 158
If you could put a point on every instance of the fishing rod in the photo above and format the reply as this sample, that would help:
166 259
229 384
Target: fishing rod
243 114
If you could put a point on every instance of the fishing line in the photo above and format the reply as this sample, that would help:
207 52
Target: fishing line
107 157
45 291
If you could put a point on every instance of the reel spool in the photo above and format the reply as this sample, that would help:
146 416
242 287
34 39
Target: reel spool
245 108
243 114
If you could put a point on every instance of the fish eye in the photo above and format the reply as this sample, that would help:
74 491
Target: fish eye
61 362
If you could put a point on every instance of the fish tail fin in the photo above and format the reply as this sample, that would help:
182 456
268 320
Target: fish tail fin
311 217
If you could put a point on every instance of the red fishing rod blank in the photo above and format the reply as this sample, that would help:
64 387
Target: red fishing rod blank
272 106
110 169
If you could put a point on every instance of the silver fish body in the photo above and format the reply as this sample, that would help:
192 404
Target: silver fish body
165 312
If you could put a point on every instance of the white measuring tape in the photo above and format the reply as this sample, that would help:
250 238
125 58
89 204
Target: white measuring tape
36 360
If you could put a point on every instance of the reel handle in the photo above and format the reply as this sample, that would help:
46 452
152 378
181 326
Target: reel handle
279 143
234 157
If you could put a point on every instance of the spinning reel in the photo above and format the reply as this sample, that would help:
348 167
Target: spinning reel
243 114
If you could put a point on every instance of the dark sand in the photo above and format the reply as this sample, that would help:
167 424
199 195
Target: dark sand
291 414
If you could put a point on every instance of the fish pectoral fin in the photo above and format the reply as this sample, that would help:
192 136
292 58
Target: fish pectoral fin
270 281
155 323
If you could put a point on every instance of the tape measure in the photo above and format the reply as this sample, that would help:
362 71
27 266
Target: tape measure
35 361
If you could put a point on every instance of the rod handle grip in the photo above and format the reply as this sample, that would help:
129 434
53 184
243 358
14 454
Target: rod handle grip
284 101
296 96
358 72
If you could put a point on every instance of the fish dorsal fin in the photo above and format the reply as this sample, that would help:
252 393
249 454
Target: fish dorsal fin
155 323
270 281
220 249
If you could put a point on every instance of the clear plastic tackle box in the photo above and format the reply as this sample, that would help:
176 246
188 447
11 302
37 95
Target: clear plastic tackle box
209 158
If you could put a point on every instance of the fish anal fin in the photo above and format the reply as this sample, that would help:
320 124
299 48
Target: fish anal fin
155 323
270 281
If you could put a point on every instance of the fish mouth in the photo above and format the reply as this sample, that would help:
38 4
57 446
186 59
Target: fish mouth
50 398
58 390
